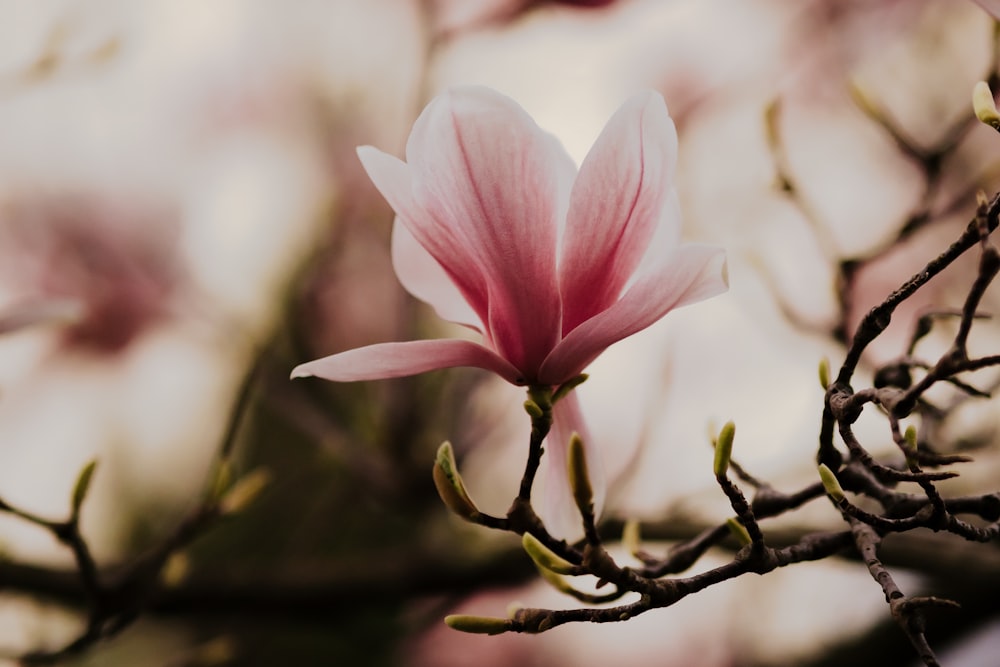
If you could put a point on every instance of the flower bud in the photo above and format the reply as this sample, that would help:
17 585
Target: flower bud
450 486
479 625
545 557
176 569
533 409
738 530
724 449
244 491
984 105
631 537
568 386
579 477
824 373
830 483
82 486
222 479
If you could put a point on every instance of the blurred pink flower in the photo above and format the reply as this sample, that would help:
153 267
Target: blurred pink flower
449 17
107 271
497 230
992 6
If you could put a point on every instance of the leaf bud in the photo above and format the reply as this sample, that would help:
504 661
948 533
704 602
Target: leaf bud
479 625
244 491
830 483
984 105
579 476
724 449
738 530
545 557
450 486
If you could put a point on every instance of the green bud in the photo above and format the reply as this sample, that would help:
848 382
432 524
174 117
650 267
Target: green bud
541 396
244 491
579 477
631 536
544 557
450 486
910 436
738 530
557 581
724 449
984 105
175 570
824 373
568 386
830 483
222 480
82 486
479 625
533 409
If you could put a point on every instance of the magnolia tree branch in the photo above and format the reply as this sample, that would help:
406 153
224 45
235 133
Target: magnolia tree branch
115 596
854 471
878 498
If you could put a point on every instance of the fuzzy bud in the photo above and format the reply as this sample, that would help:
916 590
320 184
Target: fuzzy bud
724 449
824 373
478 625
830 483
579 477
450 486
984 105
82 486
631 537
244 491
738 531
544 557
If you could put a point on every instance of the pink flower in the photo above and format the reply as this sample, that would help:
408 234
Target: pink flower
497 230
106 269
992 6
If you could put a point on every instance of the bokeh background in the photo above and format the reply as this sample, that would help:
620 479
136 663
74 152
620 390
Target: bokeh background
182 215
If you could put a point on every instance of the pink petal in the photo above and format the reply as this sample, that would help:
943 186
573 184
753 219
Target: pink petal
991 6
42 311
620 198
558 509
392 178
695 272
390 360
493 187
424 278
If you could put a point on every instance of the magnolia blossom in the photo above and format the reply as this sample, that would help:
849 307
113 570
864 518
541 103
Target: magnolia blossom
992 6
497 231
103 268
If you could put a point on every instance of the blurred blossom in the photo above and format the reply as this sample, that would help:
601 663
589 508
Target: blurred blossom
992 6
453 16
117 262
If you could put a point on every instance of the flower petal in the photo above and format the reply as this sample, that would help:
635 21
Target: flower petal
695 272
424 278
992 6
620 198
392 178
390 360
493 187
558 508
